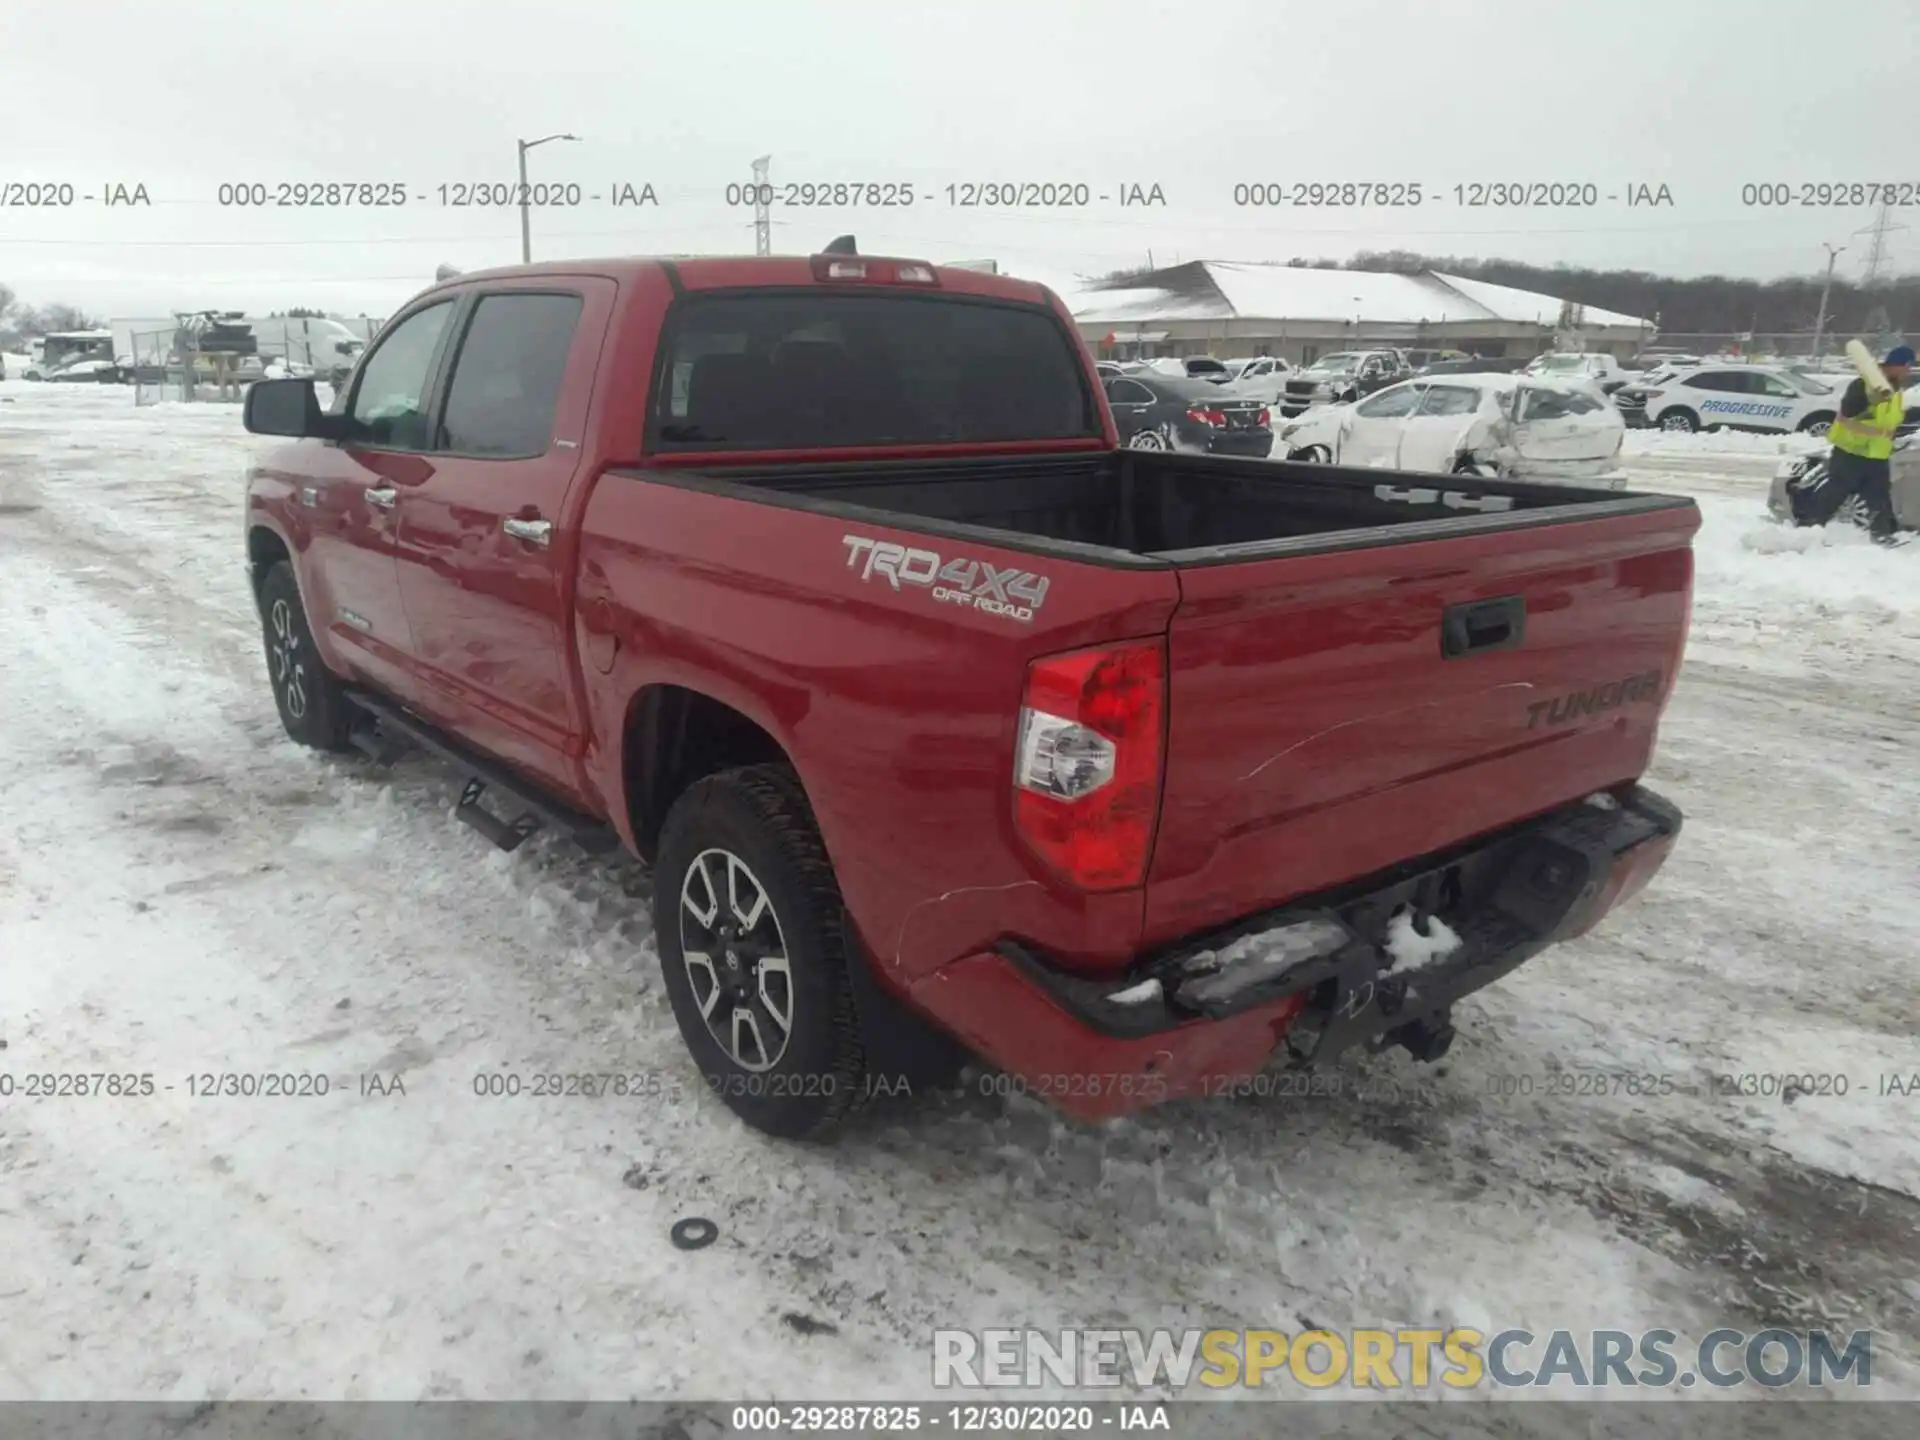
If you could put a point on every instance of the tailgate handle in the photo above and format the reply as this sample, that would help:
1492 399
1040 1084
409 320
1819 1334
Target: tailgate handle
1483 625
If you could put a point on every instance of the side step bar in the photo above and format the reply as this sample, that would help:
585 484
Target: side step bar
536 808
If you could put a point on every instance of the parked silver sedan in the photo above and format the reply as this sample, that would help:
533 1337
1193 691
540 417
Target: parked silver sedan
1805 471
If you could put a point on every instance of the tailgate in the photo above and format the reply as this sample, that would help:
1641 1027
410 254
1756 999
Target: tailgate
1334 714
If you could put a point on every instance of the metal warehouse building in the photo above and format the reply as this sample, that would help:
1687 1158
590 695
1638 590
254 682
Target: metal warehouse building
1213 307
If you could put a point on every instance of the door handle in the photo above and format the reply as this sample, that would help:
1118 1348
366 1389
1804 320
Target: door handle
534 532
1486 625
383 496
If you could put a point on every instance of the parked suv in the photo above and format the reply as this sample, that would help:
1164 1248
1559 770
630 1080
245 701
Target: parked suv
947 724
1738 397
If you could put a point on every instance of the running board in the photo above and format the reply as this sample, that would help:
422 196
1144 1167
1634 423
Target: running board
536 809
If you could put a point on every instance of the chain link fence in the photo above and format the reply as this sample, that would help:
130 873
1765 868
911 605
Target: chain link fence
168 366
1773 344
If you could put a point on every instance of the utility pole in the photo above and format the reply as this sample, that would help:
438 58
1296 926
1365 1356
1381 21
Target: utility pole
762 207
526 223
1877 322
1826 289
1877 255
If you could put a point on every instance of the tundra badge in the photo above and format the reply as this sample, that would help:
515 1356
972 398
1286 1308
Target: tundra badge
1633 689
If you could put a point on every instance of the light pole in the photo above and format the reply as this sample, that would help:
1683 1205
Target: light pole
526 224
1820 325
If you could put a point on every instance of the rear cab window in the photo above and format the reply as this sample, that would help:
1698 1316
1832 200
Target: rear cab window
779 369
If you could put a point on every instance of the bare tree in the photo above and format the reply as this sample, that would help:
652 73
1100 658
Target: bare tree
52 319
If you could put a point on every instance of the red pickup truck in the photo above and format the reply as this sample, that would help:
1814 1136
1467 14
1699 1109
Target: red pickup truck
946 724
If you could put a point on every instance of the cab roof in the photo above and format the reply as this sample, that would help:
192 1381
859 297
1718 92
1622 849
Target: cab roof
725 272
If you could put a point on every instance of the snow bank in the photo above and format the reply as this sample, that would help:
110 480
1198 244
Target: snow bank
1746 560
1716 442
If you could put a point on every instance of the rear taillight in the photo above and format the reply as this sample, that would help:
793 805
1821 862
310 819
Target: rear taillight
1086 774
1265 417
1215 418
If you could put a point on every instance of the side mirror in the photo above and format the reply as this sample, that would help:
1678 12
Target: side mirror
287 407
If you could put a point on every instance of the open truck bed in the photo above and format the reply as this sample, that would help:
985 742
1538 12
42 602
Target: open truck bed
1362 668
1175 508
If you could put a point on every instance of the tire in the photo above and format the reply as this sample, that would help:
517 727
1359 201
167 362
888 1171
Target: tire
312 702
1679 419
1311 455
1147 440
742 871
1816 422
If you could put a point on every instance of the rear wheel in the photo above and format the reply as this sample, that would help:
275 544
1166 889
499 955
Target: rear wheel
1816 422
1680 420
1147 440
312 703
748 920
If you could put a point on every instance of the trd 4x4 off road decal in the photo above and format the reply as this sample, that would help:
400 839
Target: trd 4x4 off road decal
1013 594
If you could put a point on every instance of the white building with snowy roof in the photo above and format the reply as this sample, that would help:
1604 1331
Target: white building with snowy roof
1226 308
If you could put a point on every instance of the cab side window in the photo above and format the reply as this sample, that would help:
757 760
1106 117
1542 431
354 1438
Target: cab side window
1400 401
1725 381
506 377
1128 392
389 404
1451 400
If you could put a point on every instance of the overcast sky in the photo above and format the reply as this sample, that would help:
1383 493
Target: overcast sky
1699 95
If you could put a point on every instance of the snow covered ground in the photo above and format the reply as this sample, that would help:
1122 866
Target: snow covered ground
183 892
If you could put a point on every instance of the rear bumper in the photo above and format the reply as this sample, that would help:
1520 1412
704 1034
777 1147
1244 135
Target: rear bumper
1297 986
1255 443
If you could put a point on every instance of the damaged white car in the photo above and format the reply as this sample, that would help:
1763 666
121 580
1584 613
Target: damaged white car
1506 426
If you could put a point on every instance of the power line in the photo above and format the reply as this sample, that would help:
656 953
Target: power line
1206 225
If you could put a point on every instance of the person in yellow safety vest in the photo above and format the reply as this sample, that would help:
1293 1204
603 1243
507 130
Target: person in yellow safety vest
1862 437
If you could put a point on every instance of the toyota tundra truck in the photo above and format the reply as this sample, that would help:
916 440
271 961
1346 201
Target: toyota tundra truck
950 729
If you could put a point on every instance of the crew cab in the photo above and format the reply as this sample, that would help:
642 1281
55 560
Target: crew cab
946 724
1341 378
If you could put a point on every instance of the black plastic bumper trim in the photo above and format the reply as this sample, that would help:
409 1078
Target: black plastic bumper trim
1539 880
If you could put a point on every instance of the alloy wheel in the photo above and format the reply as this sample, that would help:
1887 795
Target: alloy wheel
736 959
289 664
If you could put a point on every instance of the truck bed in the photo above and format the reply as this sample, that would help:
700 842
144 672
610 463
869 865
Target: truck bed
1185 509
1363 667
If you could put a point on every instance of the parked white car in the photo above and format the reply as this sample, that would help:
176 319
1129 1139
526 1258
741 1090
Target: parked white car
1263 378
1256 367
1594 367
1511 426
1740 397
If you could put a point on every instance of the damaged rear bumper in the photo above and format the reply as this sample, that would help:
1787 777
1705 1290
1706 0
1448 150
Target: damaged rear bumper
1299 985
